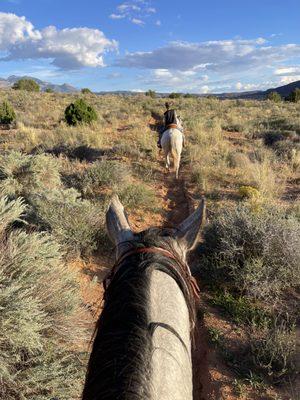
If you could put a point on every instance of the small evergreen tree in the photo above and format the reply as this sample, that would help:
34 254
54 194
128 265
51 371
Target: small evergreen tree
80 112
26 84
274 96
294 96
7 113
151 93
86 91
189 96
174 95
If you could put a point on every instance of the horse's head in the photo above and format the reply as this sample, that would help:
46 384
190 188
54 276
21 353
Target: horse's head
181 239
179 122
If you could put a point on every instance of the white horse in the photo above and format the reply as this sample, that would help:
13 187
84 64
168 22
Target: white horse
172 142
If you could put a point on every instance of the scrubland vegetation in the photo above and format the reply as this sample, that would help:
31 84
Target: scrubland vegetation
55 183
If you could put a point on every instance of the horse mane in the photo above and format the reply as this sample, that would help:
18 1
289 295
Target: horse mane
120 362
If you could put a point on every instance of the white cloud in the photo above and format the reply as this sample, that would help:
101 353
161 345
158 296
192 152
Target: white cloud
204 89
288 74
158 23
226 56
14 29
117 16
287 70
289 79
175 80
135 11
137 21
70 48
247 86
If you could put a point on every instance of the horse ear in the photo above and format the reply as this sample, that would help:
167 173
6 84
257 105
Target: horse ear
189 230
117 223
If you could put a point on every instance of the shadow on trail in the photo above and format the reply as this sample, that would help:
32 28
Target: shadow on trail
178 205
81 153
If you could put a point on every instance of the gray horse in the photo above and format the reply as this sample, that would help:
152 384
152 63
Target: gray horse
142 345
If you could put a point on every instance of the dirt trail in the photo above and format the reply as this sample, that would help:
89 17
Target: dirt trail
178 205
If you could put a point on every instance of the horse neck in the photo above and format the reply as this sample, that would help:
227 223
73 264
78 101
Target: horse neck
142 347
171 365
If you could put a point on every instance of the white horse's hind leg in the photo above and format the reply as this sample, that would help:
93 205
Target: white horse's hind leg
176 165
168 161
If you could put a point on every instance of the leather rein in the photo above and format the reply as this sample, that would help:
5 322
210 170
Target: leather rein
186 275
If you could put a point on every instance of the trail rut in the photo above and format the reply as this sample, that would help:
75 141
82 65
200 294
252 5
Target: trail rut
178 206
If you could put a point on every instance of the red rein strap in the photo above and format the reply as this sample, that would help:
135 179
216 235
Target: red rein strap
155 250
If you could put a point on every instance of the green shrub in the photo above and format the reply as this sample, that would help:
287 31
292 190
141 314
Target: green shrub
189 96
286 149
86 91
80 112
77 224
248 192
258 252
174 95
294 96
128 150
26 84
215 336
274 350
49 90
41 316
274 96
240 309
111 174
134 196
151 93
7 113
21 174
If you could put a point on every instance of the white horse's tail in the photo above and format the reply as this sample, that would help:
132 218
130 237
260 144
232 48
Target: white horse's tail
176 148
176 158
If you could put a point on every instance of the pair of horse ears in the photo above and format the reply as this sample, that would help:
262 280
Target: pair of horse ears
119 231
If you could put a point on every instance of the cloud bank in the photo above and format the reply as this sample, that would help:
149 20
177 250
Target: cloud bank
218 56
67 48
222 65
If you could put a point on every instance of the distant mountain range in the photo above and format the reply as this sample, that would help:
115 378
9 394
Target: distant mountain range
284 91
65 88
254 95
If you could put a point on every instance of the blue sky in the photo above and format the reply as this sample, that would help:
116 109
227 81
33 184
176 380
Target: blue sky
191 46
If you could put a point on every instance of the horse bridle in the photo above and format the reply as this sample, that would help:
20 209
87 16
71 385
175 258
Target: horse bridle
191 282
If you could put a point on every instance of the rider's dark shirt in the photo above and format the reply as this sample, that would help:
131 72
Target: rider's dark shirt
170 117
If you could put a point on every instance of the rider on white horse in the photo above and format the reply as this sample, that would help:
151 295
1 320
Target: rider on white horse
171 120
172 139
